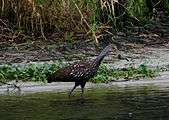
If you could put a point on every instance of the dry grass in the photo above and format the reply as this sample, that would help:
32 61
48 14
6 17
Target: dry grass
31 14
87 16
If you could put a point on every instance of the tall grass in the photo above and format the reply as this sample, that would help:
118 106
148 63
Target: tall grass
88 16
166 5
137 8
63 14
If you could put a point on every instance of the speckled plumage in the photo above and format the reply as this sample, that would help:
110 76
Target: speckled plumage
79 72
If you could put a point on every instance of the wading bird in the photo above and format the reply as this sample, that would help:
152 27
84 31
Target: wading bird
79 72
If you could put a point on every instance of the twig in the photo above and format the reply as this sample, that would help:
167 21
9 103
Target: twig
3 22
41 29
84 20
157 3
14 85
2 8
82 17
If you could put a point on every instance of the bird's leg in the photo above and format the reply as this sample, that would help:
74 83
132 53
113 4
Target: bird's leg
82 88
72 91
76 84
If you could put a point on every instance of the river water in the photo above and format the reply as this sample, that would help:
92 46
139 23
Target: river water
128 103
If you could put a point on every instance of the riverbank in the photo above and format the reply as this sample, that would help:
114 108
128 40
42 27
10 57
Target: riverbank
153 57
160 82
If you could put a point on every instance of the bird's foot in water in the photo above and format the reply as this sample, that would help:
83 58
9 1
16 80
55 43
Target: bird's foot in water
82 95
70 95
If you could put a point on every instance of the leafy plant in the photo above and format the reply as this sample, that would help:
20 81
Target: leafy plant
34 72
107 74
40 72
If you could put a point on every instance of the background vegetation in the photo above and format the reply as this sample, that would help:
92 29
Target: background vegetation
40 72
69 17
22 20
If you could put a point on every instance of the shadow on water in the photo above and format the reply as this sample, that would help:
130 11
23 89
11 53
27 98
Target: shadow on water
130 103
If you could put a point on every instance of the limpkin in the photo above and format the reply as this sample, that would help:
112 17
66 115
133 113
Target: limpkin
79 72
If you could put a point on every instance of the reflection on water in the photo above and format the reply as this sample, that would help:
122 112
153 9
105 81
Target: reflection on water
143 103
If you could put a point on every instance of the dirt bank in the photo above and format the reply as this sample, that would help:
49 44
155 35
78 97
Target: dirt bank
160 82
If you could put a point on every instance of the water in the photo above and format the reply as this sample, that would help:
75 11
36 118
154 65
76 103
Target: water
130 103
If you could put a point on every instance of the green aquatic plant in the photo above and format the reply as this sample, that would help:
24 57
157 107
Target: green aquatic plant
106 74
40 72
32 72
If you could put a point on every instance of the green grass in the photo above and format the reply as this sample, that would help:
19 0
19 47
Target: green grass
40 72
137 8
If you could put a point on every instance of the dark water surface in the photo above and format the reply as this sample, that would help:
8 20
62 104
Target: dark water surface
131 103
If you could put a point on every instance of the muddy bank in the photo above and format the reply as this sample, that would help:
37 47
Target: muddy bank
151 56
160 82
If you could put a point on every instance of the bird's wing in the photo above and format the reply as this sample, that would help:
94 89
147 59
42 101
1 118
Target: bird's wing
72 73
78 70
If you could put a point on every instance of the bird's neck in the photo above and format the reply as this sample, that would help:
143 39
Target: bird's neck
100 57
98 61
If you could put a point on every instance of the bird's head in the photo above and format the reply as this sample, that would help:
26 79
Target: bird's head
107 49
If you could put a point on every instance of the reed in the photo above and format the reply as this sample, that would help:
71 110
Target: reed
87 16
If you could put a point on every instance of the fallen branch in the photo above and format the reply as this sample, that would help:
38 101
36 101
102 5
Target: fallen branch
12 85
